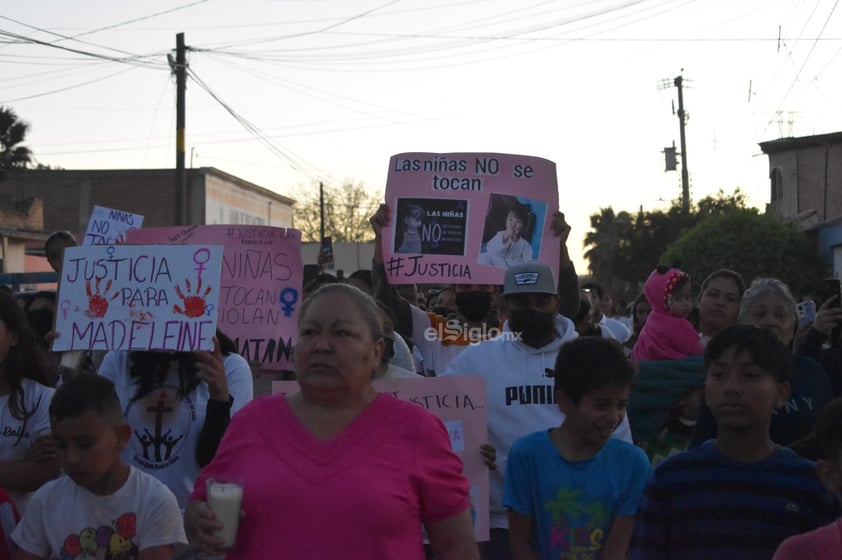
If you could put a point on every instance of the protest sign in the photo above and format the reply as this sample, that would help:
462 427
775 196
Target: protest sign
108 226
142 297
260 289
461 403
464 218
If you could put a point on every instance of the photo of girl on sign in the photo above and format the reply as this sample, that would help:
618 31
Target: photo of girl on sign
430 226
512 232
409 226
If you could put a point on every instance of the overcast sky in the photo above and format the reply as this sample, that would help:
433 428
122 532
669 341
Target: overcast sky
329 89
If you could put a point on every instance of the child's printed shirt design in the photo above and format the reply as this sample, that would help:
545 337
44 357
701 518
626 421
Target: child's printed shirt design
578 527
105 542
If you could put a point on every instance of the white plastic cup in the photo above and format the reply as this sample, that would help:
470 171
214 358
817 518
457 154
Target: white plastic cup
225 500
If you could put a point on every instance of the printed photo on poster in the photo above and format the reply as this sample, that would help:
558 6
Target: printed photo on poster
512 230
430 226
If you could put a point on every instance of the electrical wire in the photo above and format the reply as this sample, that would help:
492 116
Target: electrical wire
68 88
295 162
804 63
133 59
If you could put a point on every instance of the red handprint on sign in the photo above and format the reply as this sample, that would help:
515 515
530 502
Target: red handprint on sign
194 304
98 302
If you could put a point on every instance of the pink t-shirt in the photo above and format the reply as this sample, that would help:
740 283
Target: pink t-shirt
822 544
362 494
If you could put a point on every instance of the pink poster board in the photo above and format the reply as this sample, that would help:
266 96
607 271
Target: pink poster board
260 290
461 403
464 218
138 297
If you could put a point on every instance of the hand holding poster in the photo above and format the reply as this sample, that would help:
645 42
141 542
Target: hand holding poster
465 218
461 403
142 297
108 226
260 289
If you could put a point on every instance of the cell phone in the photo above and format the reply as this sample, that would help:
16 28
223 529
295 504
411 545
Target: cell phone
806 312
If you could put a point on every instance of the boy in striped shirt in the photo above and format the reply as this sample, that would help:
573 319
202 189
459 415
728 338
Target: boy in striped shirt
739 495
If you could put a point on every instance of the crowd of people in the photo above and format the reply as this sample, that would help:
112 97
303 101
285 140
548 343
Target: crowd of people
686 424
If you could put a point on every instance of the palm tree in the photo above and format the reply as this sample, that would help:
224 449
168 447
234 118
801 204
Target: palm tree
566 506
12 133
608 230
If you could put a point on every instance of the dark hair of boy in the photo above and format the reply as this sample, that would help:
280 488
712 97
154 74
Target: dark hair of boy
87 393
64 236
588 363
364 276
593 287
767 352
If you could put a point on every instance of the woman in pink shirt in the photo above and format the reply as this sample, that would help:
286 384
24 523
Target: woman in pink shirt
338 470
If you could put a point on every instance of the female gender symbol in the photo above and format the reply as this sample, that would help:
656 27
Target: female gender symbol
65 307
288 297
199 269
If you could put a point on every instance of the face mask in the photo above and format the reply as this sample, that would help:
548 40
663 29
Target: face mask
474 306
535 327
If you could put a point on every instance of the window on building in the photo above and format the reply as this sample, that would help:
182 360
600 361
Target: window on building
776 182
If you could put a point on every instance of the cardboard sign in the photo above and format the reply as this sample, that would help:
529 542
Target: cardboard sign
465 218
461 403
143 297
260 289
108 226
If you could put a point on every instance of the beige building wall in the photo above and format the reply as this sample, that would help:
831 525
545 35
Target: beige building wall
224 205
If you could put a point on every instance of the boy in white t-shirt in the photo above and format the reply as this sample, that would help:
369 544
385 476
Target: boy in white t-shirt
103 507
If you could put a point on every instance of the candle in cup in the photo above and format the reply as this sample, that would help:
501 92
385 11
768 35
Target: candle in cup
225 500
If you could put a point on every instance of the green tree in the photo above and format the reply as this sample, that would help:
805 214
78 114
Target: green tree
754 245
347 209
13 154
623 249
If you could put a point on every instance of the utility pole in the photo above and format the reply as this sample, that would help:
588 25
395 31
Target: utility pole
670 153
180 87
321 211
682 119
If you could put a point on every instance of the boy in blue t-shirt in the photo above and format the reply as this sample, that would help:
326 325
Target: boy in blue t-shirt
572 491
739 495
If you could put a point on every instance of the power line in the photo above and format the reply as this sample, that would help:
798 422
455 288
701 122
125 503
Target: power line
137 19
806 59
295 162
133 59
67 88
62 37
